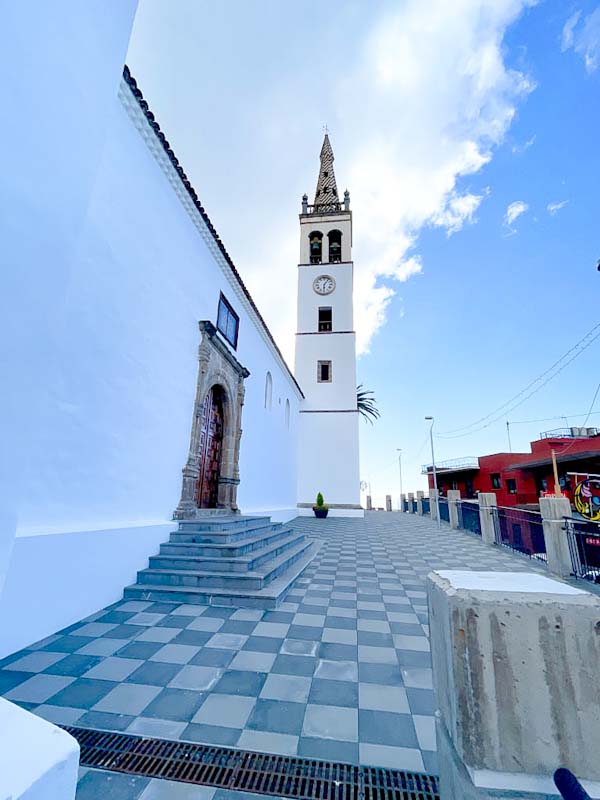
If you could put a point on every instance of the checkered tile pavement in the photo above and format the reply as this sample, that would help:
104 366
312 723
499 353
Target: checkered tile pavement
341 670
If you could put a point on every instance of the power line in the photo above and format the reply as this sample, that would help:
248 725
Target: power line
589 414
549 419
557 367
522 397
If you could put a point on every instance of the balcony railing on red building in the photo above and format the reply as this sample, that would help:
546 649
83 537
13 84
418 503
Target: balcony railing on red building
469 462
521 531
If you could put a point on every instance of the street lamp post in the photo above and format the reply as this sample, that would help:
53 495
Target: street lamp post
435 486
400 476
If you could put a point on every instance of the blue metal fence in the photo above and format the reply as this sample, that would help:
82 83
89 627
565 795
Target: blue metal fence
468 516
426 506
413 508
584 547
444 511
521 531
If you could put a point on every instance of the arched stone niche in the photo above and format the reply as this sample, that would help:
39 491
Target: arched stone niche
217 366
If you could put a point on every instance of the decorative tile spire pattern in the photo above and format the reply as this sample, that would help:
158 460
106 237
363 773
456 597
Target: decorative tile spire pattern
326 194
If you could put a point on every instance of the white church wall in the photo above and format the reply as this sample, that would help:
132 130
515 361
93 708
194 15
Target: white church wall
111 276
322 437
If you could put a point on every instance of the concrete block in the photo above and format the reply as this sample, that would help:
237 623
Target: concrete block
554 510
433 508
487 502
388 502
453 499
515 669
411 499
38 760
420 496
369 503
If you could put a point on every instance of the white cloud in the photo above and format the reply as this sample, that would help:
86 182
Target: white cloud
519 149
514 211
583 36
427 103
421 101
458 210
556 206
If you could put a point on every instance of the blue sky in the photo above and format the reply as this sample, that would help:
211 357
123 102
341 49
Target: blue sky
455 126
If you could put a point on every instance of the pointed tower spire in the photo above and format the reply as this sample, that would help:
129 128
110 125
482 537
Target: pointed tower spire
326 193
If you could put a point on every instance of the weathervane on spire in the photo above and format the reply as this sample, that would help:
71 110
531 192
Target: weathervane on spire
325 129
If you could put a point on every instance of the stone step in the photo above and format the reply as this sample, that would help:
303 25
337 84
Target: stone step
266 598
246 562
203 579
231 522
223 536
225 549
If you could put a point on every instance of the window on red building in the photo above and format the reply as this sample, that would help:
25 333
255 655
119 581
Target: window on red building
511 486
496 481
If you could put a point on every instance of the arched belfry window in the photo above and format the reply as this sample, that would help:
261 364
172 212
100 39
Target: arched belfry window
315 240
335 246
268 391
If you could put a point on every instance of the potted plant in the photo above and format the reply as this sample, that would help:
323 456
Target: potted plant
320 509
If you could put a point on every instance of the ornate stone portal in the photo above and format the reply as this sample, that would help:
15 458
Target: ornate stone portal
217 367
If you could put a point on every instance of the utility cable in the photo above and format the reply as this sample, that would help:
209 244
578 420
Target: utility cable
574 352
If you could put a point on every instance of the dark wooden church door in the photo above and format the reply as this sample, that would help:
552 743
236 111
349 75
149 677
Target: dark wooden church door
211 443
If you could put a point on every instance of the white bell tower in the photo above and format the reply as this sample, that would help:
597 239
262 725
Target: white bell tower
325 367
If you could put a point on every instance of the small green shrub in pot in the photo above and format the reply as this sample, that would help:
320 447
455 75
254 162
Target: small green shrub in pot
320 509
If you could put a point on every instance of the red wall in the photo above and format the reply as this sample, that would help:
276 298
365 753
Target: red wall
526 484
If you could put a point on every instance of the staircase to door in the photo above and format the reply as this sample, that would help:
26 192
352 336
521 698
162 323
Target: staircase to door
225 560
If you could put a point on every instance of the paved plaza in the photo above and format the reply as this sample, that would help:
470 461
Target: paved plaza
341 670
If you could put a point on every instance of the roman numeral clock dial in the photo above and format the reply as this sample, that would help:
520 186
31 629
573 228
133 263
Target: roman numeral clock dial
324 284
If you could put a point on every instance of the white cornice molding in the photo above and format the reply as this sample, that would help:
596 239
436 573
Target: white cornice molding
137 116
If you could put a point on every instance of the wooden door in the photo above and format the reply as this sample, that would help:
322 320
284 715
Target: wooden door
211 443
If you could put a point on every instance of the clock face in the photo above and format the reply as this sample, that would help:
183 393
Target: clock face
324 284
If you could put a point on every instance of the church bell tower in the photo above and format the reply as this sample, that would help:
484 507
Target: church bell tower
325 364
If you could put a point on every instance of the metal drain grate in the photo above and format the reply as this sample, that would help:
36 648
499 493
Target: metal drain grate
261 773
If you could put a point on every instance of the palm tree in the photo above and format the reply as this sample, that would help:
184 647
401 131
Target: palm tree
366 404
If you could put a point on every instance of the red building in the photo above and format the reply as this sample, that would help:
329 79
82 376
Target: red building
519 479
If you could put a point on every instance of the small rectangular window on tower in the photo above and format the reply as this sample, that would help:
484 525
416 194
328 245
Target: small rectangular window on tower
228 322
325 320
324 371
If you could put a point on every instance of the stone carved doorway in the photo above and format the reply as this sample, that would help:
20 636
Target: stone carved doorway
211 474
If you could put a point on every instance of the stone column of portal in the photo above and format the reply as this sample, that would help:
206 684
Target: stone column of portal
420 496
388 502
432 505
515 668
553 510
369 503
453 498
487 503
411 499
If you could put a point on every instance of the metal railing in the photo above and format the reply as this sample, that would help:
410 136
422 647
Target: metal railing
426 506
444 510
405 505
469 462
413 507
468 516
520 531
584 546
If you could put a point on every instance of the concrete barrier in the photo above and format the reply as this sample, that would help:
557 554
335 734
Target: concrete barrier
515 669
